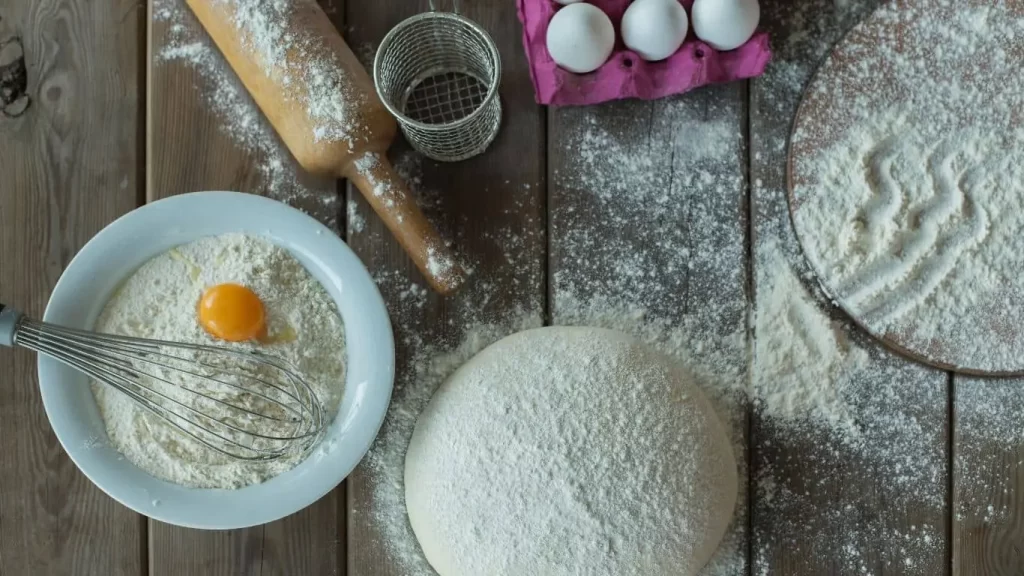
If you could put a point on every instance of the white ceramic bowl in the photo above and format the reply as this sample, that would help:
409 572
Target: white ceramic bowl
113 254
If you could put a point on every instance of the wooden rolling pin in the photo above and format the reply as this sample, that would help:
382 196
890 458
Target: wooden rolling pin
333 123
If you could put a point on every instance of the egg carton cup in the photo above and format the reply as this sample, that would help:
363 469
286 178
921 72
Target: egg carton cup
625 74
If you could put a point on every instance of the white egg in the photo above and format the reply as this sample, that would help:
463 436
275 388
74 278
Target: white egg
564 2
725 24
580 38
654 29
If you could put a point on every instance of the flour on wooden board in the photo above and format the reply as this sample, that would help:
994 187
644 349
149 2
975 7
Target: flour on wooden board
988 424
901 407
356 221
804 361
909 202
236 113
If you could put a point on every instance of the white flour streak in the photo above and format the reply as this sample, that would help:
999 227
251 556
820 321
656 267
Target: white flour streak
235 112
300 61
356 221
804 361
223 93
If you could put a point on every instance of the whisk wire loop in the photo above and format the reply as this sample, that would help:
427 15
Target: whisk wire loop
243 404
155 353
173 418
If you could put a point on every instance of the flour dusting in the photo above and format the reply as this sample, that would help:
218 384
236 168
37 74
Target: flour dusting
805 362
909 200
300 61
237 115
226 97
841 496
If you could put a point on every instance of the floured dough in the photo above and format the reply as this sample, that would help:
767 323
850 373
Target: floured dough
569 451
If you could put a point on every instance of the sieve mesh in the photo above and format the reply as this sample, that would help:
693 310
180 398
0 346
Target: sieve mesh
438 73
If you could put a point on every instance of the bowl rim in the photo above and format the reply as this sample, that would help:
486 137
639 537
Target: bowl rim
371 301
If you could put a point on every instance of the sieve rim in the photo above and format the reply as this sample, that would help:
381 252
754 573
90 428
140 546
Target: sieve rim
492 89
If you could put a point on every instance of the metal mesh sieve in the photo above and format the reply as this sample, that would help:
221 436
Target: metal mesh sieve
438 73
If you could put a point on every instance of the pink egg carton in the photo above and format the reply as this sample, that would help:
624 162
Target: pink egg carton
625 74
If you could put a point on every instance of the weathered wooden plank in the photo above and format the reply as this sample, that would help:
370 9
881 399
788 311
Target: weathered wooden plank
648 234
205 133
988 483
823 504
492 206
70 165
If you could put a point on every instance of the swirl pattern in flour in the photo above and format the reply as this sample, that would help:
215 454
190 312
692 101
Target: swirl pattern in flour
882 278
907 180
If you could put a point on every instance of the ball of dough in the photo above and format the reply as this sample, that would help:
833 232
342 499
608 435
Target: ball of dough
654 29
725 24
580 38
569 451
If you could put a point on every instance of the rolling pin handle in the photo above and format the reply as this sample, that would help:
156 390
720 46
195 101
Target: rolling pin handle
383 188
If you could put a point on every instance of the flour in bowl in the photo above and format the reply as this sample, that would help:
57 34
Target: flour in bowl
159 301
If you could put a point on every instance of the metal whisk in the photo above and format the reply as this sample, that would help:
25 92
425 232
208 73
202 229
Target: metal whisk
244 404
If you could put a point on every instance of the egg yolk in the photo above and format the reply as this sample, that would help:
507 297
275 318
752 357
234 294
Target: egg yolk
232 312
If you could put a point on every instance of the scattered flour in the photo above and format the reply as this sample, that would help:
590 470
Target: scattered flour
624 257
300 61
910 200
369 164
991 440
805 361
840 502
224 94
237 114
159 302
356 221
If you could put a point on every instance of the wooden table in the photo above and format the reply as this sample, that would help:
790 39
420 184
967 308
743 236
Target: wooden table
109 129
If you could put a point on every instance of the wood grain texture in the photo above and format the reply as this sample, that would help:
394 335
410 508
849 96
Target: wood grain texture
988 463
491 206
195 145
821 506
648 213
73 163
69 166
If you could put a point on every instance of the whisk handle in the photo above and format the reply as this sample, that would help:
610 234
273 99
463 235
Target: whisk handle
9 318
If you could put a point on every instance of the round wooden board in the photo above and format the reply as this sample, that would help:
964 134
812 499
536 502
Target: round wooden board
884 42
